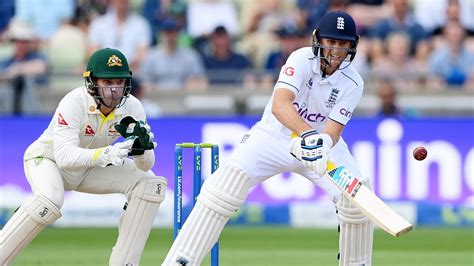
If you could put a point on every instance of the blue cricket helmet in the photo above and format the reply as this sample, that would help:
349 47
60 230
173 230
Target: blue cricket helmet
337 25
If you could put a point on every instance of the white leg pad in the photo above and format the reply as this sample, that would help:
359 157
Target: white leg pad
221 196
355 235
136 221
27 222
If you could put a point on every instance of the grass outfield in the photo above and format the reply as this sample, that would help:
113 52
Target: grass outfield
258 246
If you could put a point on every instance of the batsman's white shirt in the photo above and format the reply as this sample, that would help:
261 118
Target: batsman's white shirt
264 150
77 131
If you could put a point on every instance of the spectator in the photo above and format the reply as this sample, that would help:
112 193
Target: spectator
434 14
388 106
44 17
367 13
396 64
121 29
291 39
223 65
23 72
215 12
260 20
311 11
152 109
387 96
452 64
169 67
7 10
157 11
67 48
400 20
90 9
452 14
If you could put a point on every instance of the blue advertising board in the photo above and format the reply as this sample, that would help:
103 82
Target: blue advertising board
382 147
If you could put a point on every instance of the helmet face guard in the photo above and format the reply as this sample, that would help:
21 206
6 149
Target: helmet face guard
111 97
318 49
336 25
108 64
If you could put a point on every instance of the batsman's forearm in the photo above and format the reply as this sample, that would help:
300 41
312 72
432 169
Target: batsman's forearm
286 113
293 121
146 161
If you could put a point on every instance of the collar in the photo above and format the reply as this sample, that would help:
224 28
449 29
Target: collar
331 79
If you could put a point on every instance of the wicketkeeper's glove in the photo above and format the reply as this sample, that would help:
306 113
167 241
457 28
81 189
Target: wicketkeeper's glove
139 131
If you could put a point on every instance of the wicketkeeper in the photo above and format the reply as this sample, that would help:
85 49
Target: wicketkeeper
77 152
313 99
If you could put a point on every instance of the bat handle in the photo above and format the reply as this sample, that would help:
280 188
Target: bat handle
330 166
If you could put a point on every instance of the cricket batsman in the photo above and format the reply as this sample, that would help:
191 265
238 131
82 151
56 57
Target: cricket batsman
77 152
313 100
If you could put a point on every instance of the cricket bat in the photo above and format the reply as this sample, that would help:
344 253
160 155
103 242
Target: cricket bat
371 205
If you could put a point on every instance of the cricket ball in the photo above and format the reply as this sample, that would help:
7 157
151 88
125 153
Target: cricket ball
420 153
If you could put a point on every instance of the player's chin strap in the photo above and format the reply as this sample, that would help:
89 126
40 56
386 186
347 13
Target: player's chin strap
355 234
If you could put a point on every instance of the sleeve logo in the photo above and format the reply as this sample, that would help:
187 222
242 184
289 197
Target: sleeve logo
345 112
289 71
61 120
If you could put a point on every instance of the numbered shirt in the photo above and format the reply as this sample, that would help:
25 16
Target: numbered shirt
78 129
317 99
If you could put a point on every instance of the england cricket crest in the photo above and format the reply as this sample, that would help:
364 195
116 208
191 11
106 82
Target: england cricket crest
332 98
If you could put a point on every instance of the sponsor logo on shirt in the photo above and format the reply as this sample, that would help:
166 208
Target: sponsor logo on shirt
310 83
345 112
332 98
289 71
311 117
89 131
61 120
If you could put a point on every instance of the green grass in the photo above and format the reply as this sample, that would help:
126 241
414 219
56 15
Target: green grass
257 246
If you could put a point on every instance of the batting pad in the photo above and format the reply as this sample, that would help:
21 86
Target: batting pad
355 235
27 222
221 196
136 221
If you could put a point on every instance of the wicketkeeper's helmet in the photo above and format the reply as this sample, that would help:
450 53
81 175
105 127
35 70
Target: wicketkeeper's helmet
107 63
337 25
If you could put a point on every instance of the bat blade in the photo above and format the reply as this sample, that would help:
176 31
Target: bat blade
371 205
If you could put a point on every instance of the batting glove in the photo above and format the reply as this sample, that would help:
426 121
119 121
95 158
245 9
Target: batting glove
312 150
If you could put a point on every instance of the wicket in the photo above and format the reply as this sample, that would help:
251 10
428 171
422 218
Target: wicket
197 182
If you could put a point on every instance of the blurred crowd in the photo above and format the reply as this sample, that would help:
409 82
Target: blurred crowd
406 45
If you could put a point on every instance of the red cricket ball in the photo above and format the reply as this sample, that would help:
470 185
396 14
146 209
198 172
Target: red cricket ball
420 153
